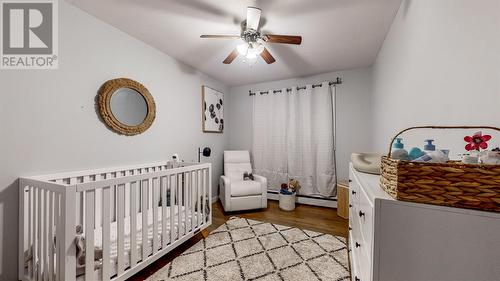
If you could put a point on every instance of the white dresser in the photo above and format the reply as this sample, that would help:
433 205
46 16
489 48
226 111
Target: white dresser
391 240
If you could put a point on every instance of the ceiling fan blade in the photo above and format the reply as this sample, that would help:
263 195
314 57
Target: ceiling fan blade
284 39
267 56
253 18
231 57
221 36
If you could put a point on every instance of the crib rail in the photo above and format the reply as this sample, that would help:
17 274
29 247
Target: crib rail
128 218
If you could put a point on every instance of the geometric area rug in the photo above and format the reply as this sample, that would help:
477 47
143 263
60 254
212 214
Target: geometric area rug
249 250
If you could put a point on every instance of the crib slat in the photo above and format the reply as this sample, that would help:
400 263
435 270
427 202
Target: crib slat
67 268
209 194
22 230
204 202
172 185
97 201
198 197
149 193
30 230
154 208
112 202
186 195
43 236
193 198
144 209
59 235
163 192
120 227
89 234
106 221
133 223
51 235
38 261
179 205
80 204
35 233
46 236
127 194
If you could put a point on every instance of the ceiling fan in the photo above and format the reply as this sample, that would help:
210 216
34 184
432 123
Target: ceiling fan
254 41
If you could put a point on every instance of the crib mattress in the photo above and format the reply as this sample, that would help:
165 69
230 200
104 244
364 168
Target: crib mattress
149 245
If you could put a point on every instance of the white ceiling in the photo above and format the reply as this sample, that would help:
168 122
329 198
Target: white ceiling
336 34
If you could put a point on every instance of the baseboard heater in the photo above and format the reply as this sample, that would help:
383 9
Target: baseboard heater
306 196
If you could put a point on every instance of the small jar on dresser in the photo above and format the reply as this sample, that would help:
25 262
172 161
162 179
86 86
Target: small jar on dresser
391 240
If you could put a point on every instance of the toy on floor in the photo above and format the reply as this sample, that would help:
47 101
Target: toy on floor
290 188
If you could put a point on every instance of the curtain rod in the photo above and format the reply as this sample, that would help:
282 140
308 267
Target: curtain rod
336 82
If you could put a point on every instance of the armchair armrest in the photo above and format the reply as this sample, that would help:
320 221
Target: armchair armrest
225 181
263 183
262 180
225 191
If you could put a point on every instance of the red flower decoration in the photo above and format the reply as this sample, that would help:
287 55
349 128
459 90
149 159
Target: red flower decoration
477 141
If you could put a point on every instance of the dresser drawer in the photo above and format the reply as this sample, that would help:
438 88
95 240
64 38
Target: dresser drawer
353 260
365 216
353 190
360 262
359 243
361 214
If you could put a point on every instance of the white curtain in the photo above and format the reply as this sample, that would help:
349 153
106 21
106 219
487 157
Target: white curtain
269 151
293 137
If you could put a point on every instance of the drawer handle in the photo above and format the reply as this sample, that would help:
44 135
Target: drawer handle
357 245
357 279
350 180
350 228
361 214
350 205
353 192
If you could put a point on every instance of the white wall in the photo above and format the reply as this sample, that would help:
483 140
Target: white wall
353 112
439 64
48 122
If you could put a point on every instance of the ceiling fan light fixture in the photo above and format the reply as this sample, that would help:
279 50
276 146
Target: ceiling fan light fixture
242 48
251 55
252 43
258 48
251 61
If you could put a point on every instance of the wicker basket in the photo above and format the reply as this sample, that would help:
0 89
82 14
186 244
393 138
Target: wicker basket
454 184
287 202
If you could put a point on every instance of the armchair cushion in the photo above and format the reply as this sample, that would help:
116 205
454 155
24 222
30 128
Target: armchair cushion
245 188
236 163
235 175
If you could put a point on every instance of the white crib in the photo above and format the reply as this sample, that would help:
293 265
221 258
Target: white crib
167 206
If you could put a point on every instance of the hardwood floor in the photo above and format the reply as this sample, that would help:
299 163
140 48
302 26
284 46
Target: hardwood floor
313 218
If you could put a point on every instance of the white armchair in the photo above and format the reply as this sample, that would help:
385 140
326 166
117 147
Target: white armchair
238 194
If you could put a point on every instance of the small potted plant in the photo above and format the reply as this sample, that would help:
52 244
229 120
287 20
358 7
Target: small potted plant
287 195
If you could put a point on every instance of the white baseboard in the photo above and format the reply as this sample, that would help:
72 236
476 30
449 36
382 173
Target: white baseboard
300 200
307 200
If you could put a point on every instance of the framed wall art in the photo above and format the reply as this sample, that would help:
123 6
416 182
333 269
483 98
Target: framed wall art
212 110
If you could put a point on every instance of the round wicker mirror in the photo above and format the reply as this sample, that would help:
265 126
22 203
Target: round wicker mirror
126 106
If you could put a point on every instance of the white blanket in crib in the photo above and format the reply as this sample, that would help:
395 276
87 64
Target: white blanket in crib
192 220
127 243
